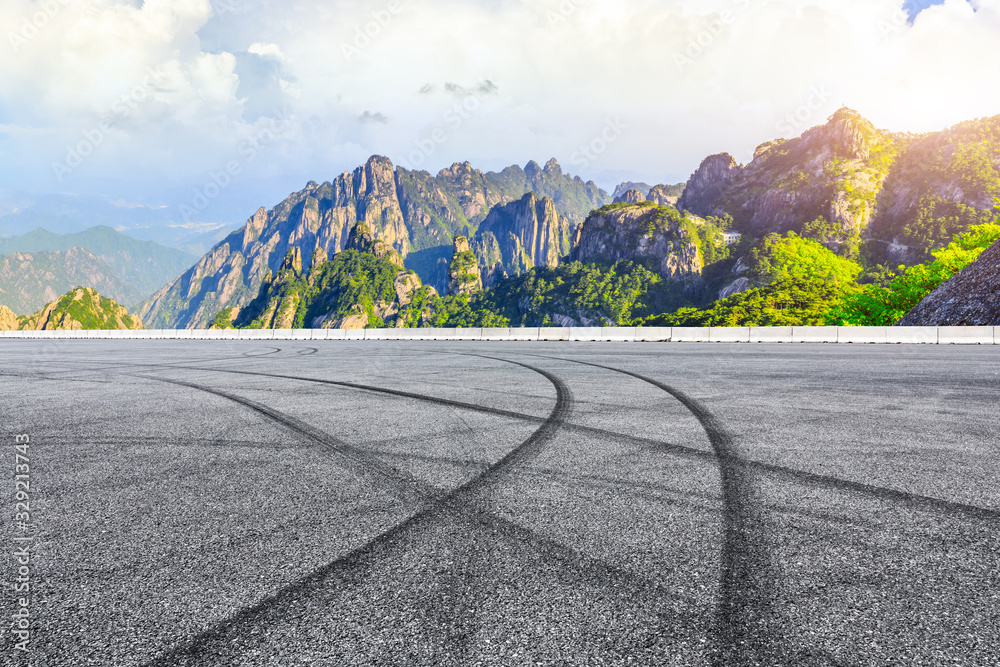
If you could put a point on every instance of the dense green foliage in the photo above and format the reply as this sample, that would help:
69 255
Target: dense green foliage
84 306
606 295
792 258
796 302
877 305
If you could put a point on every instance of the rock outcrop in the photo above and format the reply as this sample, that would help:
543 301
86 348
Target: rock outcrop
463 273
658 237
519 236
82 308
663 195
630 197
971 298
8 319
364 286
709 183
642 188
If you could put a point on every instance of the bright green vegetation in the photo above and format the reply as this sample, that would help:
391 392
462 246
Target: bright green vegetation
792 258
797 302
224 320
801 283
81 308
608 295
352 278
884 305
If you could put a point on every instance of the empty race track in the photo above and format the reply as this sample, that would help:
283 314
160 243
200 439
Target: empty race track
367 503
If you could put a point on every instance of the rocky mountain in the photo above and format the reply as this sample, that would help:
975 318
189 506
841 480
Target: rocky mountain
141 266
630 197
28 281
664 195
363 286
463 272
37 267
658 237
971 298
518 236
82 308
622 188
858 183
416 213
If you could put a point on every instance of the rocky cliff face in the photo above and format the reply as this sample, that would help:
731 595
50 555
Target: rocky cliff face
519 236
463 273
630 197
971 298
665 195
8 319
364 286
707 185
81 309
410 211
658 237
869 183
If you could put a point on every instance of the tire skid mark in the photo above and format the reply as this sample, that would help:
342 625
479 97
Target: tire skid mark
927 503
456 504
748 632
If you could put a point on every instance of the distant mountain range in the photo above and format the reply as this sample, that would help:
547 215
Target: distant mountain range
39 266
879 197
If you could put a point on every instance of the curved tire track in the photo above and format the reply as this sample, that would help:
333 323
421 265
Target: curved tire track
748 632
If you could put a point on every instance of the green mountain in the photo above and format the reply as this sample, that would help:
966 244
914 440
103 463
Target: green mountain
891 196
133 269
82 308
416 213
364 286
28 281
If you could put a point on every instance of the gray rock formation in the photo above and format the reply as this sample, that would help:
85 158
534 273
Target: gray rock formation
971 298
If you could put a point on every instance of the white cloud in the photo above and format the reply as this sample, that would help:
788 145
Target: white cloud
687 78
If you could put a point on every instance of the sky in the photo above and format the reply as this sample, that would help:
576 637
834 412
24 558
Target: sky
205 110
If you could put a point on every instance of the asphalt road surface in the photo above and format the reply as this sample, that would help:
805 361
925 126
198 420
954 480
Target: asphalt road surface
337 503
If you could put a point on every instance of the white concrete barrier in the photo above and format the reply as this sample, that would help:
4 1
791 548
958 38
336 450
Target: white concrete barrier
354 334
771 335
966 336
585 334
553 334
496 334
653 334
691 335
729 334
815 334
524 334
618 334
863 335
336 334
912 335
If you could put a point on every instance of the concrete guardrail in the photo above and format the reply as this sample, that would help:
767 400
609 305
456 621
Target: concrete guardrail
843 335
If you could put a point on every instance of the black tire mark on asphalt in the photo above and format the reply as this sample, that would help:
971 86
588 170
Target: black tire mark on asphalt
307 351
927 503
749 633
274 350
455 502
